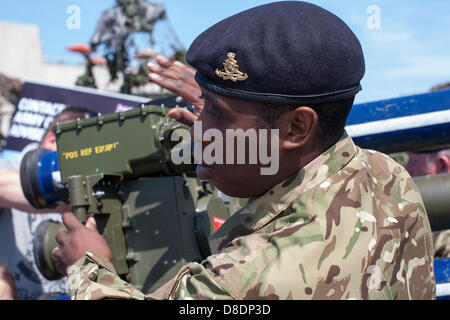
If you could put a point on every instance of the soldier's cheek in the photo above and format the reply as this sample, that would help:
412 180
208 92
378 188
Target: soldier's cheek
205 172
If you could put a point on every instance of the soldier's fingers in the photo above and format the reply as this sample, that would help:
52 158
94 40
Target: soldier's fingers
163 61
63 207
156 68
186 73
91 224
162 81
60 237
198 109
176 86
153 67
71 221
181 88
61 269
182 115
56 253
172 73
166 64
185 67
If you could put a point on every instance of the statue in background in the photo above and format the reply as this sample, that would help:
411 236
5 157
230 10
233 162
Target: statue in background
113 32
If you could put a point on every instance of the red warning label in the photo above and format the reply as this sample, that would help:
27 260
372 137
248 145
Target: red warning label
218 222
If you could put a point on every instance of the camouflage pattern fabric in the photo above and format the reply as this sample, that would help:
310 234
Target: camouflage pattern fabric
349 225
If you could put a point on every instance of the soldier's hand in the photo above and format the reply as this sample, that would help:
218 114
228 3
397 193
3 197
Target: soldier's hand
77 240
62 207
180 79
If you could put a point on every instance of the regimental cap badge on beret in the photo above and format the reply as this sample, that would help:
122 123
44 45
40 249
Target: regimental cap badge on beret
231 69
289 52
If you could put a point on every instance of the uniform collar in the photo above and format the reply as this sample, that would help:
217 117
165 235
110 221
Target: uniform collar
261 210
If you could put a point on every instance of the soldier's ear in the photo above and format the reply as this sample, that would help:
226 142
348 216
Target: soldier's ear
443 164
297 127
49 141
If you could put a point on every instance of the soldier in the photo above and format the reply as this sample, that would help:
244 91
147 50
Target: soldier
335 221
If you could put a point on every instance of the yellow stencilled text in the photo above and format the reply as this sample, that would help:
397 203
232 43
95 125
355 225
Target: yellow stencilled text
106 147
70 155
87 152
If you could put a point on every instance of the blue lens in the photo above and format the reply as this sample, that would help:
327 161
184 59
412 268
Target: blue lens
47 166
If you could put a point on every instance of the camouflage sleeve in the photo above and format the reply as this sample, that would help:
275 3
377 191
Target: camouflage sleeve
94 278
193 282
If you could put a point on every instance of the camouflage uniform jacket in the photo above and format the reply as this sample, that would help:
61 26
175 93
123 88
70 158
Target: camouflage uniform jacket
349 225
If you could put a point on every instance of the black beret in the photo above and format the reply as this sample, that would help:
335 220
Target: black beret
282 52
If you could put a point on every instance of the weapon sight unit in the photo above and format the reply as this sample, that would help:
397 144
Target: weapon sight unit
156 216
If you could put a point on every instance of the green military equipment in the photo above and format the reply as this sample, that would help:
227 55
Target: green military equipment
43 243
156 216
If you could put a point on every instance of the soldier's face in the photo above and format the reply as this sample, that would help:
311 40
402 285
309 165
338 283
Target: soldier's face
223 116
422 164
49 141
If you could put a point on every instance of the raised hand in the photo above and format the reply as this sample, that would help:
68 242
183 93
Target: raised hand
180 79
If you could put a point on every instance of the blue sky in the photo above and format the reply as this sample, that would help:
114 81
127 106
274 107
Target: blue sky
408 54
